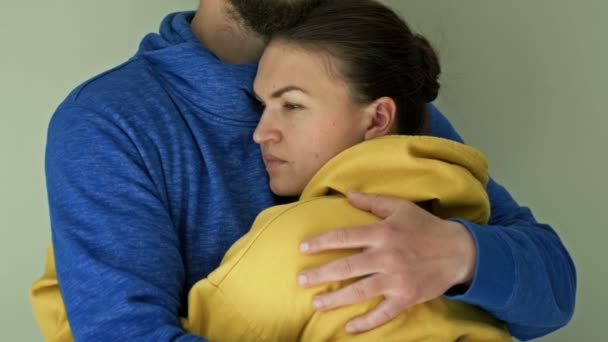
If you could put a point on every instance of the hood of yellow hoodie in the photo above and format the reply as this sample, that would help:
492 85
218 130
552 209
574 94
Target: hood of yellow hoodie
450 175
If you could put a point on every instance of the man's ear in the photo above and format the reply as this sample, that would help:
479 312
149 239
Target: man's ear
382 116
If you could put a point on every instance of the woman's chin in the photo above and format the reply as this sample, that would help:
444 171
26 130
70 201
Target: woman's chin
284 189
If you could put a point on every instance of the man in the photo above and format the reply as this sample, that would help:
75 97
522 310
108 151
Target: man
152 174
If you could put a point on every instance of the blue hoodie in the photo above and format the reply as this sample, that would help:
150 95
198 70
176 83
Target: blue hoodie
152 174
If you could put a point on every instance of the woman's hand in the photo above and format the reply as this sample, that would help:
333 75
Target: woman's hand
410 257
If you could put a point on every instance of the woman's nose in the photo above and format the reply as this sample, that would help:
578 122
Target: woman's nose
266 130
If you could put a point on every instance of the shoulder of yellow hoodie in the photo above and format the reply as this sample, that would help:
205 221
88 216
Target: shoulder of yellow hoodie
224 306
267 260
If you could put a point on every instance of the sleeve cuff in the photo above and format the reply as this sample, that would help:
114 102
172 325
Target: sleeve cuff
494 280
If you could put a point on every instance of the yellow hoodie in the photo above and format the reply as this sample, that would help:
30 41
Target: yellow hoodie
253 294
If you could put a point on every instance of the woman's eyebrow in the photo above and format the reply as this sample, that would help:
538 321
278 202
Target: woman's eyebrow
286 89
278 93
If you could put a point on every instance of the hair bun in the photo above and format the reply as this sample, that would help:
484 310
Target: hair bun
431 68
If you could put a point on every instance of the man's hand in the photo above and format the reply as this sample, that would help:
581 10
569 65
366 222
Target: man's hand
410 257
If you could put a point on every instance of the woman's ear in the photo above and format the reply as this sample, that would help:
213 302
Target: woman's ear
382 115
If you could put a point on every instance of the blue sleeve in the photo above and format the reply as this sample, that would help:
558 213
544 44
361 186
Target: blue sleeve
117 253
524 275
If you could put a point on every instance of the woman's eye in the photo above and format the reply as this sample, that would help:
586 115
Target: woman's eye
291 106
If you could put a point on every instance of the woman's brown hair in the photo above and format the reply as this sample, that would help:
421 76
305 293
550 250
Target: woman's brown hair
376 53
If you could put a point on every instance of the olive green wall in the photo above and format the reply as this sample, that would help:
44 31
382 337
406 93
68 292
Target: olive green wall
522 82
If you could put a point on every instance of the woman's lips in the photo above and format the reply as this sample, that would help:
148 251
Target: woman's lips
273 163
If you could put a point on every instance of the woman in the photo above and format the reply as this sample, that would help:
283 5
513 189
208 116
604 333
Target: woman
330 88
335 90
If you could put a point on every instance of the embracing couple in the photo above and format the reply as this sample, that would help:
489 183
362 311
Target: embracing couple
273 170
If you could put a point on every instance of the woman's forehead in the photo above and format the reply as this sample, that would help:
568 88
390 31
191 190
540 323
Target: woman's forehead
285 61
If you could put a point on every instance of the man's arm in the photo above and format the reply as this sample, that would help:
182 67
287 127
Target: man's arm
524 275
117 252
518 269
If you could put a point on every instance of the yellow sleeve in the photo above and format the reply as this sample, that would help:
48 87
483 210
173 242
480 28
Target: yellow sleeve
48 305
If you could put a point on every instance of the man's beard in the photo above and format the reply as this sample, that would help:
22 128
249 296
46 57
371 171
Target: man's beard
266 17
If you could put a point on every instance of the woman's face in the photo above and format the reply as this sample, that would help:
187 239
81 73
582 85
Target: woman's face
308 116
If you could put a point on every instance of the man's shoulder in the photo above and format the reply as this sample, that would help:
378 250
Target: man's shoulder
130 96
124 105
120 85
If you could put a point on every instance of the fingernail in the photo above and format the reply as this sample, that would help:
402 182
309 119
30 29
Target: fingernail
317 304
304 247
302 279
350 327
